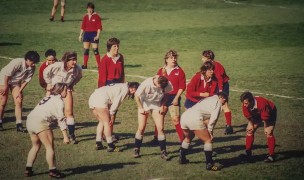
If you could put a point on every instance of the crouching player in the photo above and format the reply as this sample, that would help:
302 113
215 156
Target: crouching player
104 103
201 119
49 112
257 109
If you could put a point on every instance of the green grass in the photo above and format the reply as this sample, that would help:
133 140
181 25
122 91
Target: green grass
259 43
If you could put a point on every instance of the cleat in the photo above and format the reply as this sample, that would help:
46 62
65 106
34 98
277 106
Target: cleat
28 173
228 130
84 67
62 19
73 139
54 173
212 167
183 160
51 18
269 159
20 128
136 153
1 127
154 141
99 146
164 155
115 149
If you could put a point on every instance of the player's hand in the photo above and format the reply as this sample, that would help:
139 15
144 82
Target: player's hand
111 120
142 111
80 38
3 90
162 110
175 102
19 96
211 135
96 38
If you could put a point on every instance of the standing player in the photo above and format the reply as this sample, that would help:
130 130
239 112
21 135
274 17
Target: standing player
89 33
104 103
175 74
150 99
47 113
66 71
257 109
202 85
201 119
54 9
14 77
223 85
50 55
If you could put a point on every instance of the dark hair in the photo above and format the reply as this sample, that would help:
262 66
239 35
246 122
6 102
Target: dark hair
163 82
58 88
32 56
111 42
69 56
247 95
208 54
91 5
206 66
50 52
223 95
133 85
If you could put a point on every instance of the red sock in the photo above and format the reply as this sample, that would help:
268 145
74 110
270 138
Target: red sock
271 145
180 132
155 131
97 58
228 118
249 142
99 84
85 60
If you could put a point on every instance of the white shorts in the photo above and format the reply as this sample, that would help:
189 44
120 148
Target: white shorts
193 120
98 101
35 126
150 106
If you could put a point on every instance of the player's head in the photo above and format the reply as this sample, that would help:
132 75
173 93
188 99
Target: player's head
207 69
207 55
133 86
171 54
162 82
111 42
223 96
59 89
247 99
32 56
70 59
90 7
50 55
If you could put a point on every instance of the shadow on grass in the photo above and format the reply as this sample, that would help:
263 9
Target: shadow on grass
23 110
133 65
9 44
280 156
99 167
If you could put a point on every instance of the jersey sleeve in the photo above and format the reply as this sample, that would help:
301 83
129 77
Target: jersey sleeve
11 68
29 76
214 116
118 100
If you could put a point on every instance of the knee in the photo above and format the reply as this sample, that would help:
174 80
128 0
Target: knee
175 120
249 132
86 51
95 50
70 121
268 134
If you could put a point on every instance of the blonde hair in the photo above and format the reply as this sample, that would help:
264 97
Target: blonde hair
58 88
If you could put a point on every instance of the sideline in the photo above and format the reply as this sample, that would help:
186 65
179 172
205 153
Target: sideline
257 5
231 89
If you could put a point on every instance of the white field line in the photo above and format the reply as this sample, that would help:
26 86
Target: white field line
258 5
231 89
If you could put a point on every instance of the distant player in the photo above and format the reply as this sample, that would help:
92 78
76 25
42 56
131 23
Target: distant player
14 77
54 9
47 113
89 34
223 85
202 85
258 109
150 99
66 71
177 77
104 103
201 119
50 56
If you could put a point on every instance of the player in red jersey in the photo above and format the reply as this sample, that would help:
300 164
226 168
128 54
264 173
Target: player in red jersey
54 9
89 34
50 55
202 85
223 85
257 109
176 75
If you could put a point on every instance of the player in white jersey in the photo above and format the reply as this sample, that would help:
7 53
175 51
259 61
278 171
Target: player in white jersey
14 77
150 99
201 119
104 103
47 113
66 71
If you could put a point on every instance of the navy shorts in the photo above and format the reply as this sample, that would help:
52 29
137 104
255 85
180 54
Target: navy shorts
188 103
170 98
225 88
89 37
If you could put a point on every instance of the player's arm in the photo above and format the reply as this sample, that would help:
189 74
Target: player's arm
5 87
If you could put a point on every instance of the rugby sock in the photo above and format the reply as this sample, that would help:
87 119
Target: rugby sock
184 149
138 140
28 168
19 121
85 59
97 58
71 126
271 145
162 142
228 117
180 132
249 141
155 131
208 153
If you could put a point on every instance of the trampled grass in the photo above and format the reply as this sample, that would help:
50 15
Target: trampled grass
259 43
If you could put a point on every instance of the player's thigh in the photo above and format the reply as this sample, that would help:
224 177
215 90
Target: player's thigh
158 119
86 45
142 120
15 93
269 128
203 135
103 114
68 103
47 138
94 45
55 2
3 98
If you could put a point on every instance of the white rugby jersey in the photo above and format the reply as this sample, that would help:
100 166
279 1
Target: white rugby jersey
148 92
50 109
210 106
115 94
55 73
17 72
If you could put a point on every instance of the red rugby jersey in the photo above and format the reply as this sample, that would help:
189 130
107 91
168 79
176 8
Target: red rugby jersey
220 74
40 75
262 110
91 24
